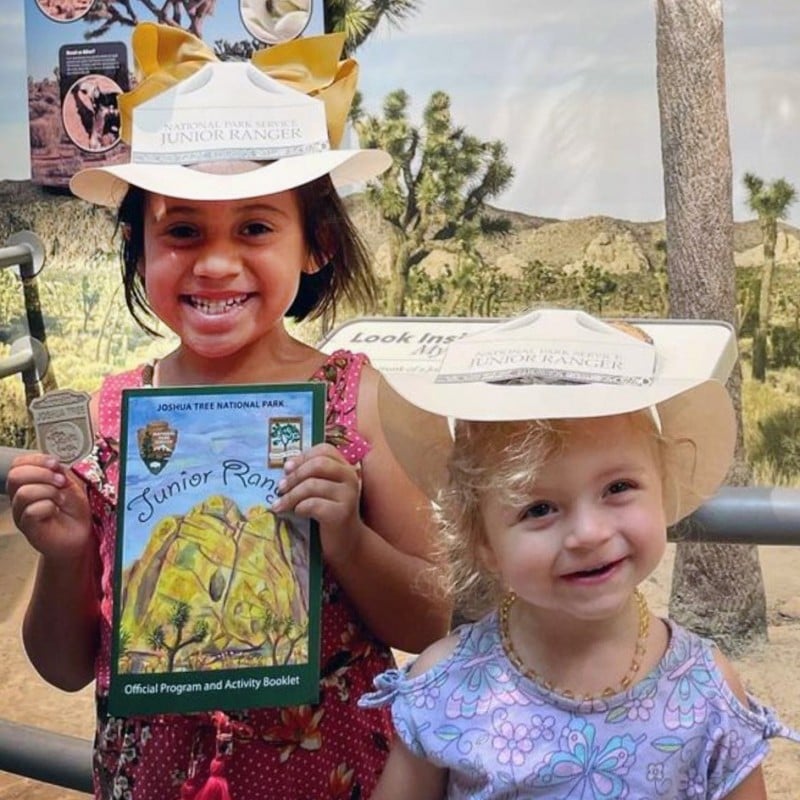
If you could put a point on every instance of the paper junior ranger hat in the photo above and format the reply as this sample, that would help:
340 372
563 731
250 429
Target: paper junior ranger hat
566 364
202 129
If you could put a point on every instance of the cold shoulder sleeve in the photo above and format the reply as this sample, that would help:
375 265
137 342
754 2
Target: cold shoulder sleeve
736 733
434 711
386 686
408 703
739 742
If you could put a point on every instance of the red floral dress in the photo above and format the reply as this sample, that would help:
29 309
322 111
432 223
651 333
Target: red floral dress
326 751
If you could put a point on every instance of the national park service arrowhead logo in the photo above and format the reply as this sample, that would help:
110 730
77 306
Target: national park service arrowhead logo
63 425
157 442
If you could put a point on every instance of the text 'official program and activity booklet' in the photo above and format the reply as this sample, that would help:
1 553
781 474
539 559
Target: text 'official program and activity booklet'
216 598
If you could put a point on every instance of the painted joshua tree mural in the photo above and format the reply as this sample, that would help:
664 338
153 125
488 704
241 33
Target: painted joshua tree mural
434 196
188 14
770 202
357 18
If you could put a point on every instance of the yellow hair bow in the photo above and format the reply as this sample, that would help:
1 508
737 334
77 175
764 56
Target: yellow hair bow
165 55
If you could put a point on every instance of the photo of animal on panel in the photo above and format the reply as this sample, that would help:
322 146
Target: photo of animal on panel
64 10
90 113
274 21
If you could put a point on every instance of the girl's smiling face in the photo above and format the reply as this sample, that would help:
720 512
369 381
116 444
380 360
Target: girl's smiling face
591 526
221 274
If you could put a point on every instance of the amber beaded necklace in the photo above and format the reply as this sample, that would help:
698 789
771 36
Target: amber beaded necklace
636 662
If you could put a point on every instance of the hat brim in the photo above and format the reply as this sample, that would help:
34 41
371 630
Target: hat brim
696 417
107 186
700 426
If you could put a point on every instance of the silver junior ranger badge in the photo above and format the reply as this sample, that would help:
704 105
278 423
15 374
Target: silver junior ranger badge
63 425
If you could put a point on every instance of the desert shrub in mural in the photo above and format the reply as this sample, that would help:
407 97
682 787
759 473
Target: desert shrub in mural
777 450
14 428
489 291
784 346
771 425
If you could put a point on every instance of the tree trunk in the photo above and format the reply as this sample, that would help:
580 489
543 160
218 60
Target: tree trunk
398 286
769 234
717 589
36 328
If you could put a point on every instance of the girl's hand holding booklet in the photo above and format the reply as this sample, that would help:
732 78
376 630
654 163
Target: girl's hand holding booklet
216 597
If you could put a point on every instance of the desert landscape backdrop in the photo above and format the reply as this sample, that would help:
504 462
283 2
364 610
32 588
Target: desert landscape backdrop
605 265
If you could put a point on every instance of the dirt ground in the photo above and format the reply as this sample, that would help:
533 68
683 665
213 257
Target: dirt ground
771 673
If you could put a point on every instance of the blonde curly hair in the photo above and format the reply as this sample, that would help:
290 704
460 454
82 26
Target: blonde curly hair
506 458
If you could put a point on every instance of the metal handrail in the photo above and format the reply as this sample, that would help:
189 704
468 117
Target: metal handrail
762 515
29 357
46 756
17 362
15 255
23 250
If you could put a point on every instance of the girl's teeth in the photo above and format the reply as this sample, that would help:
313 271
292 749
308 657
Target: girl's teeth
216 306
594 571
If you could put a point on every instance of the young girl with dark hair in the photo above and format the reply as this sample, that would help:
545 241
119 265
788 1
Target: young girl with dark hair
221 252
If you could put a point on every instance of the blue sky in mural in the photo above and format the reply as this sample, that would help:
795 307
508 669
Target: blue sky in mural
571 92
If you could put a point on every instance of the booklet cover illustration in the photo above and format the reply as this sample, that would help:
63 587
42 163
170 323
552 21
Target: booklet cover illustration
217 599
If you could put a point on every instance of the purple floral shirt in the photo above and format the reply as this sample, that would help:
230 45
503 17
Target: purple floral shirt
679 733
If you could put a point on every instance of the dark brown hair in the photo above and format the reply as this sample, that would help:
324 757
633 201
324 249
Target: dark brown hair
332 240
